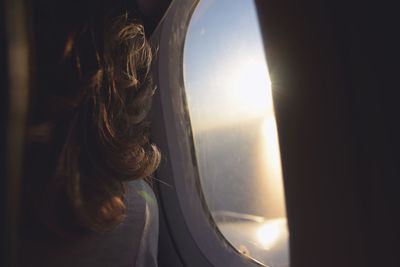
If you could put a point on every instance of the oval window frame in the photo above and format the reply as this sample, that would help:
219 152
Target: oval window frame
181 199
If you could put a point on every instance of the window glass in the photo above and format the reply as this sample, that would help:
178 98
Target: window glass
230 104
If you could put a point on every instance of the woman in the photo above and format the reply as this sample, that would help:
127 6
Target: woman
85 200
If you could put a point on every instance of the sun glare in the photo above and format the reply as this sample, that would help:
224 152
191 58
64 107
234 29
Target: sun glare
251 87
271 232
271 157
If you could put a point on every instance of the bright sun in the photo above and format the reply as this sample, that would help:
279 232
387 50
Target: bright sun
252 87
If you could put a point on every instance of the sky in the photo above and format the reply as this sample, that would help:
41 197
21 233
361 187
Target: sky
226 76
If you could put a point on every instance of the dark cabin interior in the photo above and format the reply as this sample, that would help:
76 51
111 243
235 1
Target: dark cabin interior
338 128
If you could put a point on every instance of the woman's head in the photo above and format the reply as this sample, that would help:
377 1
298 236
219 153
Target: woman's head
89 132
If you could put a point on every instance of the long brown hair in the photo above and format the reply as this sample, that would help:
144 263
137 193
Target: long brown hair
88 133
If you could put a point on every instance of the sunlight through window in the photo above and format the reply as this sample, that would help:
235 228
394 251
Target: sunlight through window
235 136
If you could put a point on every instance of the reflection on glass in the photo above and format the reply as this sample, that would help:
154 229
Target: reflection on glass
270 232
230 104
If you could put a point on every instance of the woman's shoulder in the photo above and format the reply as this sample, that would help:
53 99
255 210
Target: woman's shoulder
133 243
140 191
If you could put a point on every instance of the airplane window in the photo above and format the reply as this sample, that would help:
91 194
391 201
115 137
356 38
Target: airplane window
230 104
